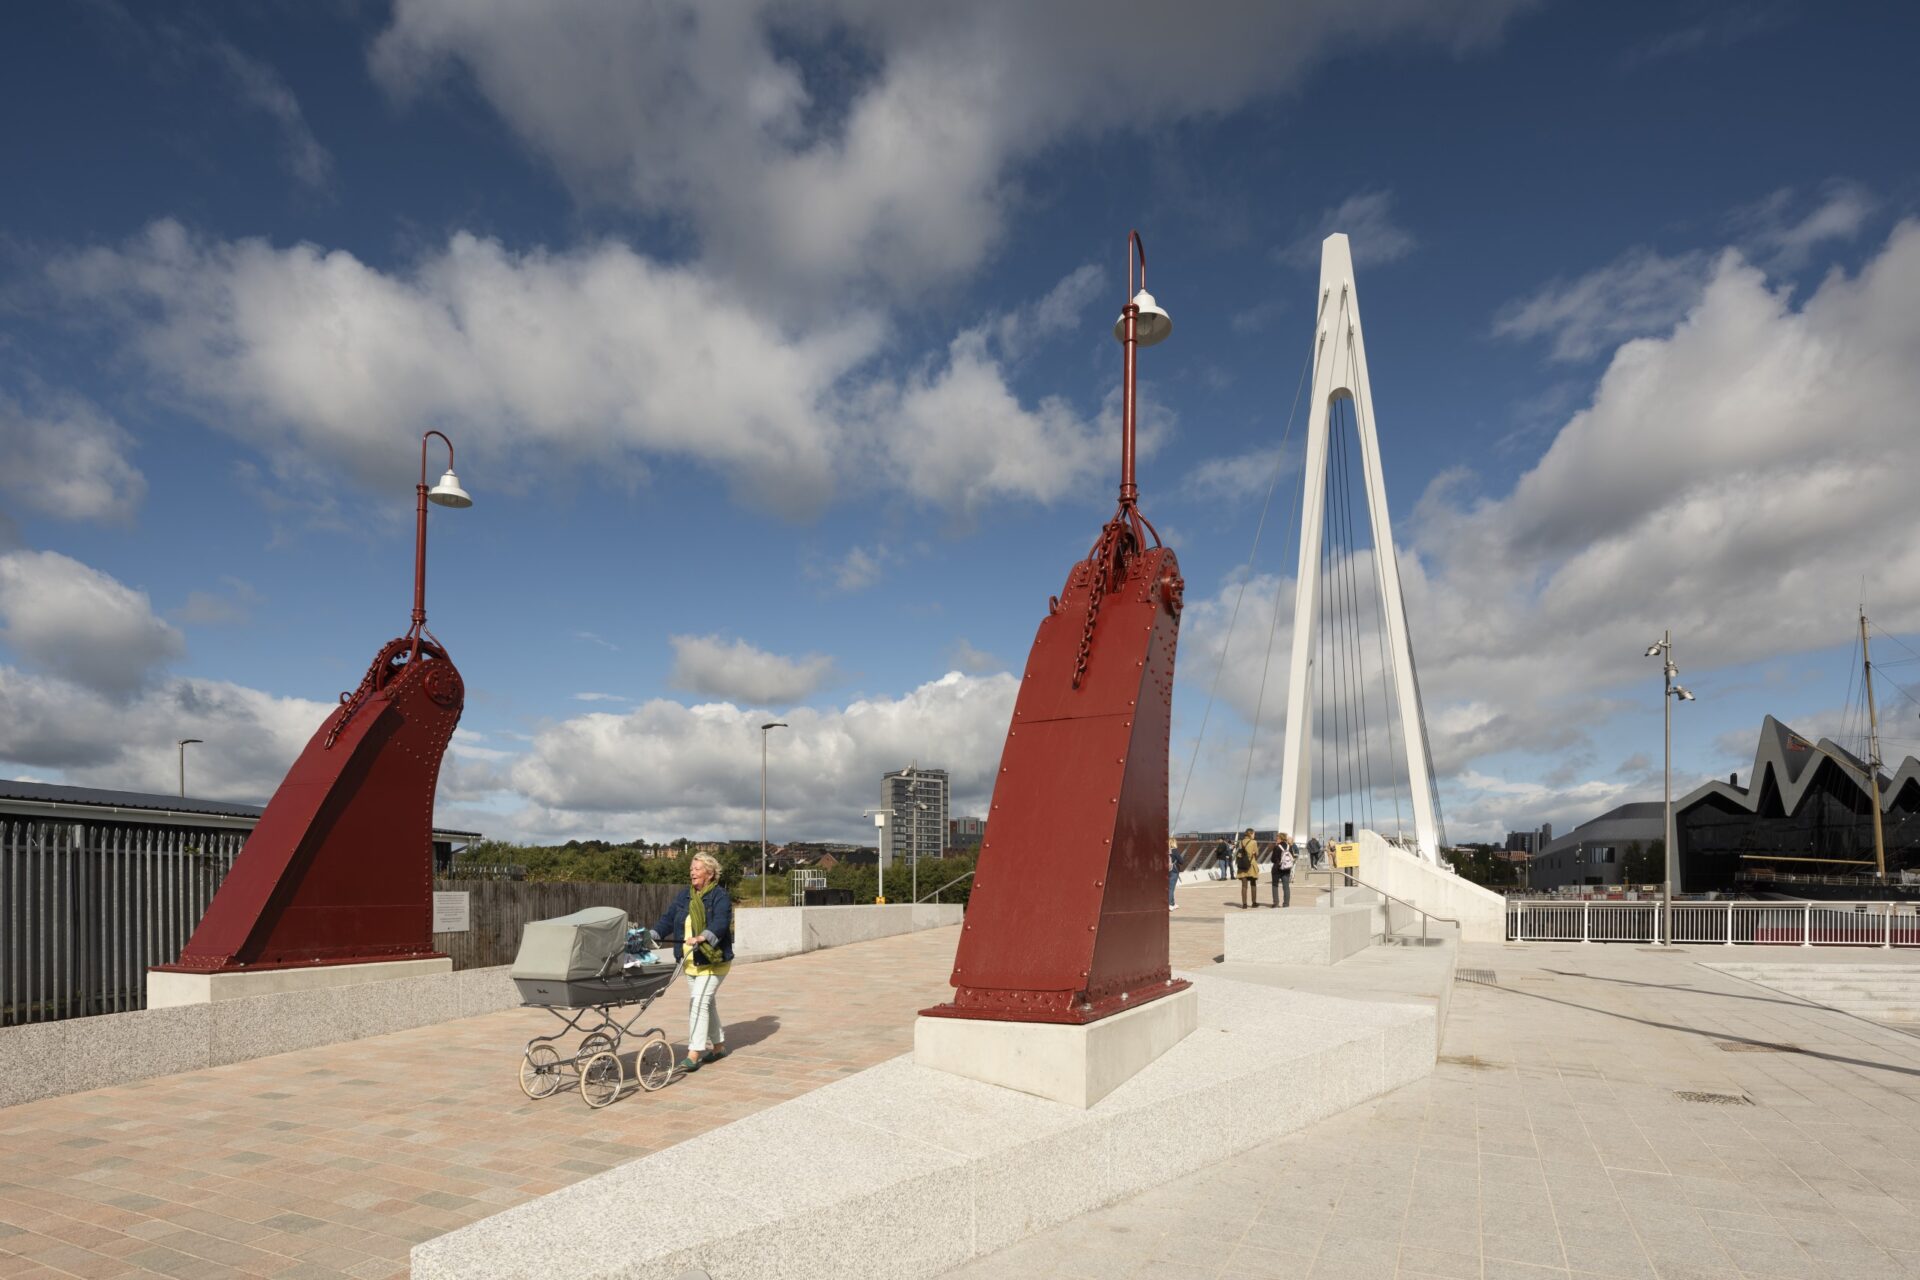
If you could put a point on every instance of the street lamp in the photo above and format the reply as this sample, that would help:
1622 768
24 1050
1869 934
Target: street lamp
447 493
771 724
183 744
1670 694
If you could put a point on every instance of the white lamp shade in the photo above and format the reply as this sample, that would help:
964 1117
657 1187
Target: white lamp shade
448 492
1151 325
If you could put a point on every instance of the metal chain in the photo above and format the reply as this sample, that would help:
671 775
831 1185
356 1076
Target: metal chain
1098 567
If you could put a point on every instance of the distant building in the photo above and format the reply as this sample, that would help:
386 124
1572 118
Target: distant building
1595 852
1523 842
966 833
917 799
1803 824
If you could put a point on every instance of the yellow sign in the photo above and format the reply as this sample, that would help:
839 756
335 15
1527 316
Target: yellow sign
1346 855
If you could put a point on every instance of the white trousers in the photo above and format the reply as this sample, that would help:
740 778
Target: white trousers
703 1013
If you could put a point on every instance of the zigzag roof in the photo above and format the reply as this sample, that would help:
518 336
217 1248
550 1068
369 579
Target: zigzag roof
1793 761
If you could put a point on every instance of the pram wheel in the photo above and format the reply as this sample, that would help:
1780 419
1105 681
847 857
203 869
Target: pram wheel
654 1063
601 1079
540 1071
601 1041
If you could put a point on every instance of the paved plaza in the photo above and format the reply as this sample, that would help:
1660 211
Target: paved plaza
1556 1139
1548 1143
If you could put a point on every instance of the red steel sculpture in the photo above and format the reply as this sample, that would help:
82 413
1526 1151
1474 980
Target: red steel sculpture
1068 917
340 868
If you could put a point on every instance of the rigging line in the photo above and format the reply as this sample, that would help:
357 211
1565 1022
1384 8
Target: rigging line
1387 704
1359 650
1349 619
1360 749
1260 700
1894 638
1279 467
1432 780
1336 639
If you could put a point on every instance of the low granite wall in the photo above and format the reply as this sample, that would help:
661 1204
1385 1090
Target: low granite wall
1312 935
767 933
119 1048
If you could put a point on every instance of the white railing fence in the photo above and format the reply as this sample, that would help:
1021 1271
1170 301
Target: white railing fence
1728 923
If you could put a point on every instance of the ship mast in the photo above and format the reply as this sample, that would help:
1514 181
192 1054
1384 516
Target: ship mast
1873 755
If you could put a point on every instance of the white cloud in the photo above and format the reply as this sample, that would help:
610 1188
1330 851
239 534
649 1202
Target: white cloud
861 567
1006 449
1060 309
1234 479
1366 218
231 607
594 353
263 89
549 359
718 668
72 620
1775 236
249 738
972 660
901 175
664 767
1638 293
64 457
600 697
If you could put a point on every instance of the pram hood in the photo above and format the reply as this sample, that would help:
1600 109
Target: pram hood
570 947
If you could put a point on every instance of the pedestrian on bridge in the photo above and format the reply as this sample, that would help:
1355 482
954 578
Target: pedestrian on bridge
1173 871
1246 869
1282 871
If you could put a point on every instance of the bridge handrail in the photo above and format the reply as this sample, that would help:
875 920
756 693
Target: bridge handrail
942 889
1352 880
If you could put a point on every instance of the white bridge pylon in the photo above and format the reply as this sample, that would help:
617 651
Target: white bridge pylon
1340 372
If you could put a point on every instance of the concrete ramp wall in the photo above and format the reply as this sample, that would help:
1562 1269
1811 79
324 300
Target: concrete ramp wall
1482 913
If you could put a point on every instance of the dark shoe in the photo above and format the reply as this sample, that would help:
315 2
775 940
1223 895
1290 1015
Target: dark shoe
688 1065
716 1053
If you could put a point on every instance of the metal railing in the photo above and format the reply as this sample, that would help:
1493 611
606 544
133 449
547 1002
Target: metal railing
1725 923
1348 880
943 888
86 907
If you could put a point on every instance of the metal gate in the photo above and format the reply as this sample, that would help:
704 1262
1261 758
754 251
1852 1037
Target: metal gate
87 907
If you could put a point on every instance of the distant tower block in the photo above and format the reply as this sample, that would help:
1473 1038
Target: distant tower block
1340 372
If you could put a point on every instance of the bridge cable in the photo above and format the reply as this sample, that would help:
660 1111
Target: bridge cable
1279 467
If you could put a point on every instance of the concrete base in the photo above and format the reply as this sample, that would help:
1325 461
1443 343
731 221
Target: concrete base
168 990
1077 1065
900 1171
1302 935
767 933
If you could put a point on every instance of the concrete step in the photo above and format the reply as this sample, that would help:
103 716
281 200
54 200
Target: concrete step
1880 992
901 1171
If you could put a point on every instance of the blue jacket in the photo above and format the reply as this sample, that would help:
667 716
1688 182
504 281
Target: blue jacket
672 926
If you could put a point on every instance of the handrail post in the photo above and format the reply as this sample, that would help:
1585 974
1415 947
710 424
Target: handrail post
1886 915
1586 920
1806 924
1729 921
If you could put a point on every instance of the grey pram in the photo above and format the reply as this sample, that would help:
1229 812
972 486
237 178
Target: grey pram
573 967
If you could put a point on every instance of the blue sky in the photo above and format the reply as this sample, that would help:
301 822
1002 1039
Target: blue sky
773 342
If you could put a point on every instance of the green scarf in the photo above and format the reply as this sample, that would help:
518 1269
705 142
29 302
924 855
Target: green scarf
703 954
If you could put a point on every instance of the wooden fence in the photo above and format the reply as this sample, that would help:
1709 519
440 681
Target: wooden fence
499 909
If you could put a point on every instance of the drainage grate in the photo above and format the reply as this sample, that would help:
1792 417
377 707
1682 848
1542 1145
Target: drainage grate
1485 977
1755 1046
1720 1099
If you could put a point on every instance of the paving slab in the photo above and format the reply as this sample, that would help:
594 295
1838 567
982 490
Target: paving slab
1613 1111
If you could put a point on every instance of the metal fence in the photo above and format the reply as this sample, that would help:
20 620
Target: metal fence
1726 923
86 907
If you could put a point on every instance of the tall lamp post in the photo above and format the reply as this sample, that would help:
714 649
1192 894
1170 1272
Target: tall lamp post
183 744
447 493
1670 694
764 729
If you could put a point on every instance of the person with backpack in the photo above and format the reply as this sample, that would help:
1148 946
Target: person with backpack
1173 871
1282 871
1246 869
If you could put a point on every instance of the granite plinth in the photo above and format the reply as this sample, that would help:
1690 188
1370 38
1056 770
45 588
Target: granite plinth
903 1171
1298 936
1077 1064
168 988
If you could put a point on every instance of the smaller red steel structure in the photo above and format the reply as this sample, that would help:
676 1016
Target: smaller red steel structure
1067 921
339 869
